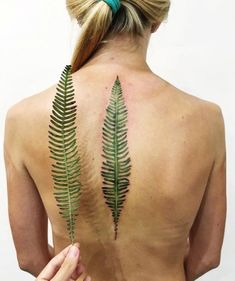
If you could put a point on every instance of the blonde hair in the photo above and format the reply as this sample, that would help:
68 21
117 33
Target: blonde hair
97 21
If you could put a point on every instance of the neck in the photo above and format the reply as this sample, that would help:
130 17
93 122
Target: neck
122 51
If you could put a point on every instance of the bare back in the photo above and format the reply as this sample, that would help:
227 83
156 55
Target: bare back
170 140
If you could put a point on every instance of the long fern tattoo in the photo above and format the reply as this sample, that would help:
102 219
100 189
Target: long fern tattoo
116 167
63 148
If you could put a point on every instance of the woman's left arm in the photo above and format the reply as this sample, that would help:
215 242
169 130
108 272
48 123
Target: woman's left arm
28 218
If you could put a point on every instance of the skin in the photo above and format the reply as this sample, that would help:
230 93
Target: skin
172 223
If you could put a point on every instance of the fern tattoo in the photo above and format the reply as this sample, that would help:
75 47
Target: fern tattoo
63 148
116 167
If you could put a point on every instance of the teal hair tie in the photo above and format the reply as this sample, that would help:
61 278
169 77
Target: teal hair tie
114 4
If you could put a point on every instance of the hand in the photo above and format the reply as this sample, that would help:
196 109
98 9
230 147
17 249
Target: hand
65 266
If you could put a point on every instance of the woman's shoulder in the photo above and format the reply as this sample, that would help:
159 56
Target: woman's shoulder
190 100
34 102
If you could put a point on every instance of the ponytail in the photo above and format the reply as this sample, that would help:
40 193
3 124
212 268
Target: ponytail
94 26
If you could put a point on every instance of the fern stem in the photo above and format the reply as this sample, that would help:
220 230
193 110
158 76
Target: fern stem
67 170
116 167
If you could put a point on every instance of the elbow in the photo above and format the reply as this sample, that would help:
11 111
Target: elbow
211 263
24 264
28 265
32 264
197 267
215 262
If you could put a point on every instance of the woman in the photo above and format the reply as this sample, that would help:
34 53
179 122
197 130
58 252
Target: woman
152 158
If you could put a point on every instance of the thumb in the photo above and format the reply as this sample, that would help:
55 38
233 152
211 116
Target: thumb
69 265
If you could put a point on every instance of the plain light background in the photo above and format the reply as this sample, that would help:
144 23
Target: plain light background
194 50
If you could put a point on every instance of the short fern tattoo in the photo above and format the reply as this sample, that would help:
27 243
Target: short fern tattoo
63 148
117 165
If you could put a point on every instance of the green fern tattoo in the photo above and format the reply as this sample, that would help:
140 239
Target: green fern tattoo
116 167
63 148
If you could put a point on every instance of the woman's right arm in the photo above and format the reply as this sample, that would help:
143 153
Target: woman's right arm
207 232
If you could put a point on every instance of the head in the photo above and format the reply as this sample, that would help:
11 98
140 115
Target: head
99 22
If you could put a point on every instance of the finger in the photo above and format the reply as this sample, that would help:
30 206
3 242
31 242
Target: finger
88 278
69 265
52 267
80 270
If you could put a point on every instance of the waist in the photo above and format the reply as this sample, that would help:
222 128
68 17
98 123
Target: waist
140 274
130 261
